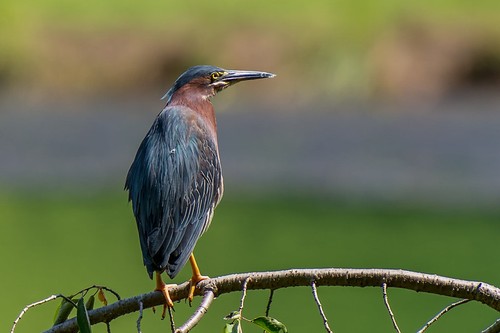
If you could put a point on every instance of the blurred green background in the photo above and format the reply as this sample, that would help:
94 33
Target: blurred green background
385 48
376 146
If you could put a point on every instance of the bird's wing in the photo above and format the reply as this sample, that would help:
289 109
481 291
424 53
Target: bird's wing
174 184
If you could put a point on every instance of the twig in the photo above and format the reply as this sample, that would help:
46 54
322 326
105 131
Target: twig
111 291
208 297
435 284
48 299
321 312
386 301
171 317
493 328
269 301
141 308
441 313
97 287
244 295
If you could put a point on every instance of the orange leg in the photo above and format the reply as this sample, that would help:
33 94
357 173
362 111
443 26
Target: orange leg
197 277
161 286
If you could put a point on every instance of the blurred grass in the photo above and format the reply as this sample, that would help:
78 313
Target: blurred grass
63 242
329 45
355 16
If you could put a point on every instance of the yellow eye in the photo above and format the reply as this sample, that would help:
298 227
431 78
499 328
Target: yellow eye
215 75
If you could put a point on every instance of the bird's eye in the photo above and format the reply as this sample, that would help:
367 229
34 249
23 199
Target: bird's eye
215 75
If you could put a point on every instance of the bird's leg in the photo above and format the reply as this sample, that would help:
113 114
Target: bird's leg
161 286
197 277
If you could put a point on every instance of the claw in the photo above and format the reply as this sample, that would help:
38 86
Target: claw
192 285
161 286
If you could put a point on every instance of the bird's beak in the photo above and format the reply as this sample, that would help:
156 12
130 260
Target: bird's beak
232 76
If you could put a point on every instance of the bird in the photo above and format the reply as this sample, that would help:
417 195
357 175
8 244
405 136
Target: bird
175 180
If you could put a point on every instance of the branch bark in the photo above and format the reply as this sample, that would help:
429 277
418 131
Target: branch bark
421 282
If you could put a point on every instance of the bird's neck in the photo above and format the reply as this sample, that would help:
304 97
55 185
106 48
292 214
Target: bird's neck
199 103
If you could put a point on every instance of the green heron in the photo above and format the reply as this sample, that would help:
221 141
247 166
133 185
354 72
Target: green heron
175 181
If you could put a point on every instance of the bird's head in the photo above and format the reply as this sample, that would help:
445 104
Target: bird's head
205 81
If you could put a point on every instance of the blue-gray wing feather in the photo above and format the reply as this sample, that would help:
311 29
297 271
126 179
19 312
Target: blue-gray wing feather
174 184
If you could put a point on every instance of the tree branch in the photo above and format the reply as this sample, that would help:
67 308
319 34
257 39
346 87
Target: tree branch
388 306
477 291
441 313
320 307
493 328
27 307
208 297
141 308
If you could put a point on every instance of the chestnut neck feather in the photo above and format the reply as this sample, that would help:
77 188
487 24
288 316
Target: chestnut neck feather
196 96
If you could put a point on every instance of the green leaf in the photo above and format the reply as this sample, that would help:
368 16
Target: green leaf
90 303
63 311
269 324
233 327
82 317
228 328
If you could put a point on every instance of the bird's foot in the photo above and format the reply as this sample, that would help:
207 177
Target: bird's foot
161 286
168 300
192 285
